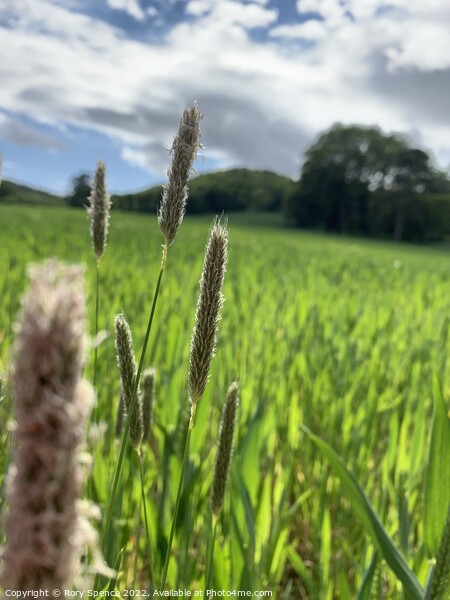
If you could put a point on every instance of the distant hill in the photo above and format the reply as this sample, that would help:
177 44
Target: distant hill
235 189
13 193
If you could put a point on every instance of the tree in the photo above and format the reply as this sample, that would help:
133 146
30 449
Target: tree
340 169
410 174
344 167
80 191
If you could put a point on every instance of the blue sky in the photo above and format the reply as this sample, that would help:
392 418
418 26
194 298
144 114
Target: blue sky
88 79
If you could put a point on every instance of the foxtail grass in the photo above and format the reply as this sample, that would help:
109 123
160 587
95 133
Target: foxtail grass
148 400
222 468
184 152
127 369
207 316
51 403
225 448
203 345
99 211
170 216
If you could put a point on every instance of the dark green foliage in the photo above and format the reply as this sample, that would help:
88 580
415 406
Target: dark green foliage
327 202
236 189
145 201
80 191
427 218
361 181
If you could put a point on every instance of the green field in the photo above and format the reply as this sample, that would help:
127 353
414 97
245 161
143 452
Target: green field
348 337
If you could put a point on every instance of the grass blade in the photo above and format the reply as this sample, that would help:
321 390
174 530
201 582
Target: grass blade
438 584
369 517
366 585
437 477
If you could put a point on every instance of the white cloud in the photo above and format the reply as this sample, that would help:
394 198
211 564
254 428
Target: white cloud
132 7
20 134
250 15
311 30
425 48
247 15
263 102
134 157
411 33
198 8
333 11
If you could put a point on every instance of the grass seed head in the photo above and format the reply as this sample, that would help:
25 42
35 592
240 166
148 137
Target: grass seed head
148 400
207 317
98 210
51 403
184 152
128 371
225 447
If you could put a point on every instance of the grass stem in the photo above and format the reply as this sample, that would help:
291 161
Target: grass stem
144 505
177 502
210 558
119 464
97 304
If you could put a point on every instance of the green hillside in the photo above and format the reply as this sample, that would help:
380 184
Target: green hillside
233 190
236 189
14 193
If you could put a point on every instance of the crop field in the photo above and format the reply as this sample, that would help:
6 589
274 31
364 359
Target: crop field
341 349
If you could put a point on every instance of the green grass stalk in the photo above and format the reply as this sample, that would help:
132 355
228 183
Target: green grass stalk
144 506
119 464
138 538
99 213
210 558
97 305
203 344
170 216
179 492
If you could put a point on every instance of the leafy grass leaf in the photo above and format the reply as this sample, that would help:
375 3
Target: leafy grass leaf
437 476
369 517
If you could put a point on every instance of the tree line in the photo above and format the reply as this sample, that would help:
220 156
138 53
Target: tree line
233 190
354 180
358 180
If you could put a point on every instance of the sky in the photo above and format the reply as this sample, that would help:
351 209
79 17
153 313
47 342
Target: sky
83 80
